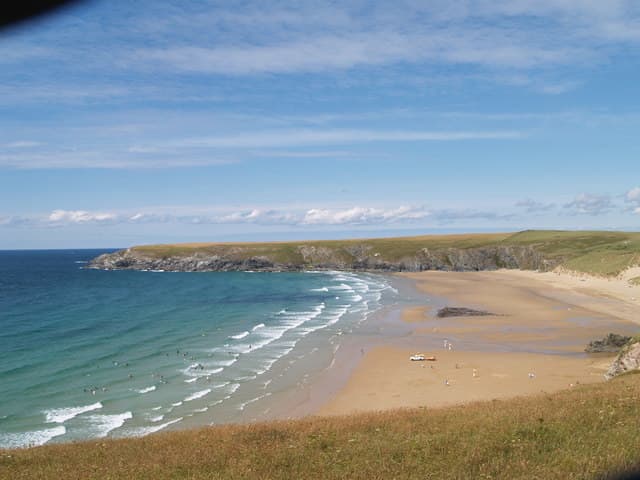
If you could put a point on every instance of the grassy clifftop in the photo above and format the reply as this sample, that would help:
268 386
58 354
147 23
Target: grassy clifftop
595 252
586 432
392 249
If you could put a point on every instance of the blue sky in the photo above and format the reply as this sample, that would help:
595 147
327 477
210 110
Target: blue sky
136 122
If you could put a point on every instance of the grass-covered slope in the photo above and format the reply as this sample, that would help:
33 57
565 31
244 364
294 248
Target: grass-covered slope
600 253
579 433
392 249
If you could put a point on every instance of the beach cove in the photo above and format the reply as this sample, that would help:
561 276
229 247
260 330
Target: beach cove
533 344
153 351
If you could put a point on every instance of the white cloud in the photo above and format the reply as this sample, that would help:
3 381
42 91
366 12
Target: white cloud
363 216
80 216
633 195
313 216
258 216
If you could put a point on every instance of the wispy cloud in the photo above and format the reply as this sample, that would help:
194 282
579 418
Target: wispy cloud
21 144
337 136
590 204
94 159
531 206
341 52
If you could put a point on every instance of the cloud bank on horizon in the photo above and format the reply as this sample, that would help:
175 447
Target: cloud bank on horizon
229 119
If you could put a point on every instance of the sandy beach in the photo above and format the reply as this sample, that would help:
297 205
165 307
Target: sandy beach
533 342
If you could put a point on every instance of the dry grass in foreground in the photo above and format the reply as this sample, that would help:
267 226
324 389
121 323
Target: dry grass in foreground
585 432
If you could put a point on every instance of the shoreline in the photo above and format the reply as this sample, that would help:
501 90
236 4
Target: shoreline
542 324
542 328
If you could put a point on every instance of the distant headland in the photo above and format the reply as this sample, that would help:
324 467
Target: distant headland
594 252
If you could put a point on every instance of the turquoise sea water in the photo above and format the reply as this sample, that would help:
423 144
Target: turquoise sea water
87 353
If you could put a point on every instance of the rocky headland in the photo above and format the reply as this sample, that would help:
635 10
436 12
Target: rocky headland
353 256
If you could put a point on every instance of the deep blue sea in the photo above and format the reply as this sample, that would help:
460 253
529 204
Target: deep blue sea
89 354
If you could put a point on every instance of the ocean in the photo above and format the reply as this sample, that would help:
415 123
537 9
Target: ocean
88 354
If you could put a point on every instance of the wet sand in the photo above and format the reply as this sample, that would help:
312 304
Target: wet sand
535 342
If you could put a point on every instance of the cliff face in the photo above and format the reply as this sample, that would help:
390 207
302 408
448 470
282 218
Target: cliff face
628 360
352 257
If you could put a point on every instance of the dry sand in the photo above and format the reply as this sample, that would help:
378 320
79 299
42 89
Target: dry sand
543 322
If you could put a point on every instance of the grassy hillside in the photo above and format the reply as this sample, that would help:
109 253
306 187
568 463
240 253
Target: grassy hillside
600 253
578 433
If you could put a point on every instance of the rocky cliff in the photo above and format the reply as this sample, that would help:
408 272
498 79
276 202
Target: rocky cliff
351 256
628 359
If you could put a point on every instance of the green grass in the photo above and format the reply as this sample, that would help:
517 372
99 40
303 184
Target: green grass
584 432
599 253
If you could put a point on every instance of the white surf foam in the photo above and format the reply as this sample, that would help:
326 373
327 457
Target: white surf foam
197 395
147 389
226 363
260 325
232 389
157 419
61 415
191 380
197 370
240 335
253 400
323 289
30 439
101 425
142 431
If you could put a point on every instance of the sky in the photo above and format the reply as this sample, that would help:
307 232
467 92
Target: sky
126 123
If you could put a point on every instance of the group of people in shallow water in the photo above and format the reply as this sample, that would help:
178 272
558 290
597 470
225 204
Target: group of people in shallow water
93 390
